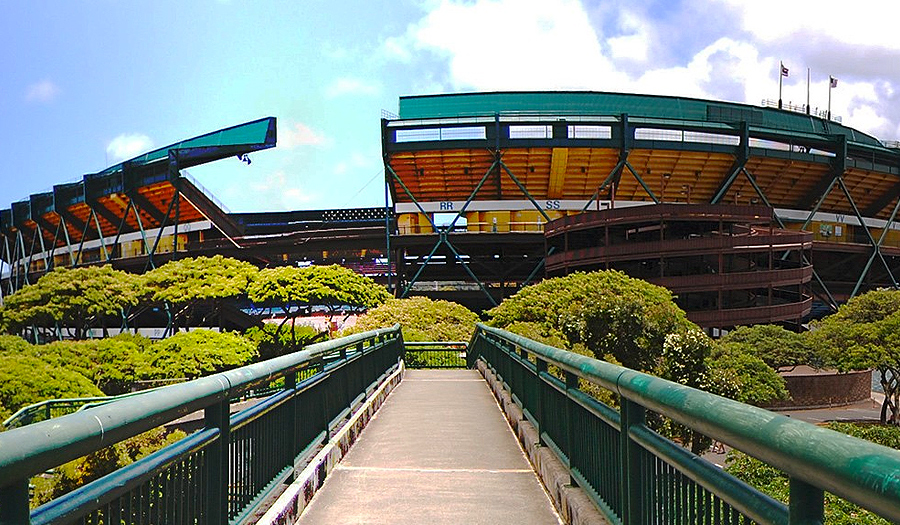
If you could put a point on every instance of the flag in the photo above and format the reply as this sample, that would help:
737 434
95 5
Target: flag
784 70
833 82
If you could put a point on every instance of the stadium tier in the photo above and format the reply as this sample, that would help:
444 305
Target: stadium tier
749 214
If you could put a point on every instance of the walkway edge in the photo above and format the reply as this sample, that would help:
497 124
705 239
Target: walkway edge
573 505
288 507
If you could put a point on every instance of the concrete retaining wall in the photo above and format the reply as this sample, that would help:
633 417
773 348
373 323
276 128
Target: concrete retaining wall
811 388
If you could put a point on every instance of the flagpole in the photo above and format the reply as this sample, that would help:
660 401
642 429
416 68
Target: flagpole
807 91
830 84
780 75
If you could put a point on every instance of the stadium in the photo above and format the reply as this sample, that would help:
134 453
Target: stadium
749 214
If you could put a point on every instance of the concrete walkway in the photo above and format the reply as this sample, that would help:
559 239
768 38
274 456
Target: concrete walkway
438 452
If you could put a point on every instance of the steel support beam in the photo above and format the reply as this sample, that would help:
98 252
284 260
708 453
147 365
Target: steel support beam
150 263
122 224
740 162
140 223
762 195
65 229
624 149
100 233
865 271
643 184
145 205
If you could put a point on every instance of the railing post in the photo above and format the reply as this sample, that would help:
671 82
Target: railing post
216 505
14 508
540 368
290 433
571 438
631 483
807 504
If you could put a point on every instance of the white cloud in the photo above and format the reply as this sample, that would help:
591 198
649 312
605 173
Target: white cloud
514 44
44 91
351 86
298 134
489 45
634 43
862 22
127 146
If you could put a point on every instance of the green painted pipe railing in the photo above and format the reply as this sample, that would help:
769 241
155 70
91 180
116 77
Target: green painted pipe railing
216 475
435 354
636 476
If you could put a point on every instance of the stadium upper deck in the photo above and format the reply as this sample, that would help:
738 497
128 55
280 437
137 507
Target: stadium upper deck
475 179
142 212
511 162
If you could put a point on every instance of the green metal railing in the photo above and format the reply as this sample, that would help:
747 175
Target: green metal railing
636 476
435 354
216 475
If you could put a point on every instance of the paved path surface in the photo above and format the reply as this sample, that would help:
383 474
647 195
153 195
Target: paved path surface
438 452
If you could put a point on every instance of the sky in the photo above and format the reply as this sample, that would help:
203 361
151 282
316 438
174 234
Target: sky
86 84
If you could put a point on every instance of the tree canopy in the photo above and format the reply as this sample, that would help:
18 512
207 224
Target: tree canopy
777 347
735 371
865 333
198 279
608 312
330 286
196 353
423 319
75 299
25 379
297 290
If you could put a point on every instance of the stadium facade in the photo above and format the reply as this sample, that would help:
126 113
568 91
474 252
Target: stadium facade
749 214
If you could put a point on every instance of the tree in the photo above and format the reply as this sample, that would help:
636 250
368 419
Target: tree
620 319
25 380
608 312
421 318
271 341
865 333
737 373
195 354
71 299
185 284
777 347
297 290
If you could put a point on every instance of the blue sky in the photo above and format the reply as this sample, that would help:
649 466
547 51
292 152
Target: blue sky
86 84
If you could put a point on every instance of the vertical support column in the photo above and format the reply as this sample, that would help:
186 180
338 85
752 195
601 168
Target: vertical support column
807 504
631 483
387 228
217 468
14 508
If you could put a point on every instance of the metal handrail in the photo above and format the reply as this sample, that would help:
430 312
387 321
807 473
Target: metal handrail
435 354
815 458
36 448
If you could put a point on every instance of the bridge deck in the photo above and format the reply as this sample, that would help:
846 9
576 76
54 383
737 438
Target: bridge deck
438 451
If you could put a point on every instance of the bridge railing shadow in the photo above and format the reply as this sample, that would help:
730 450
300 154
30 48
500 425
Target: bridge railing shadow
635 475
222 472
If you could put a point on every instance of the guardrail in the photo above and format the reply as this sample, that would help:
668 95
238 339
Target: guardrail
51 408
220 473
435 354
636 476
